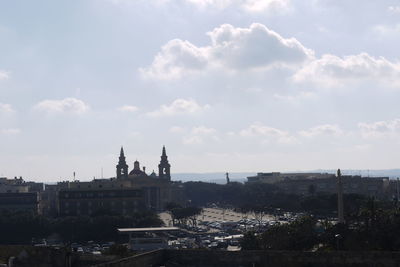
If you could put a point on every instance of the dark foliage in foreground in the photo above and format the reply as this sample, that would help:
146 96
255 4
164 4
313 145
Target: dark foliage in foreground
374 227
21 227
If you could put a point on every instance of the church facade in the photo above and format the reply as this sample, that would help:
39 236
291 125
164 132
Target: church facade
128 192
164 168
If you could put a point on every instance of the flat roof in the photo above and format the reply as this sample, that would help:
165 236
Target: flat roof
147 229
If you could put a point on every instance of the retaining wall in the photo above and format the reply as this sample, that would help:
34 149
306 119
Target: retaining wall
149 259
207 258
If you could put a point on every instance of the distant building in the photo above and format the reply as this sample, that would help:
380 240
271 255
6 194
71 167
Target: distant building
49 198
18 195
275 177
314 183
127 193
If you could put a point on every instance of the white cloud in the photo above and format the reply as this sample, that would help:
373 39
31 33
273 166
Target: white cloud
259 130
177 129
179 106
259 51
193 140
380 128
202 130
331 70
4 75
128 108
246 5
394 9
66 105
135 134
220 4
256 46
124 3
263 5
325 129
295 99
6 108
251 6
387 30
232 49
175 59
199 134
10 131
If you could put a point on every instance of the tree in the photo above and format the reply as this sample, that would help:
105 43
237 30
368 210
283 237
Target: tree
298 235
250 241
186 214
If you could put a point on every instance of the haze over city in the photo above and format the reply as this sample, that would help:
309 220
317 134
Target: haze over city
233 85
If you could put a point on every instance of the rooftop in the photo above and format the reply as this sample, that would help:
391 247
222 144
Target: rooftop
147 229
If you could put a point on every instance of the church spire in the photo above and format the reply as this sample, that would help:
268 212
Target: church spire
164 166
122 167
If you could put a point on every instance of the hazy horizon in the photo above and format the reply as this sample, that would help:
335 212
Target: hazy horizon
220 177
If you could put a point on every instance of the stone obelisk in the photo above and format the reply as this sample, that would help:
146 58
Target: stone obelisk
340 197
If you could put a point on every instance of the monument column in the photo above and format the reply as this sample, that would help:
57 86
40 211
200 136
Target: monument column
340 197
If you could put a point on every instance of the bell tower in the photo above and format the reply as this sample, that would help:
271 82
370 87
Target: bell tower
164 168
122 167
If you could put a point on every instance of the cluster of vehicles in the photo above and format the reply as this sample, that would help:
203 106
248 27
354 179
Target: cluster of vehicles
240 226
211 232
220 241
91 247
210 240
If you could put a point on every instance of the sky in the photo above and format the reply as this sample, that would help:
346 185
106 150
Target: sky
225 85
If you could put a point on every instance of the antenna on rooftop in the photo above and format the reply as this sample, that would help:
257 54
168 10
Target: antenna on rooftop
74 176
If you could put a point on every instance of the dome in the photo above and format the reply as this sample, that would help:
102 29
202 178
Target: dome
136 170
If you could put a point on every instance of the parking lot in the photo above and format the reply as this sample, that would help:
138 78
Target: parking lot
217 219
219 228
219 214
